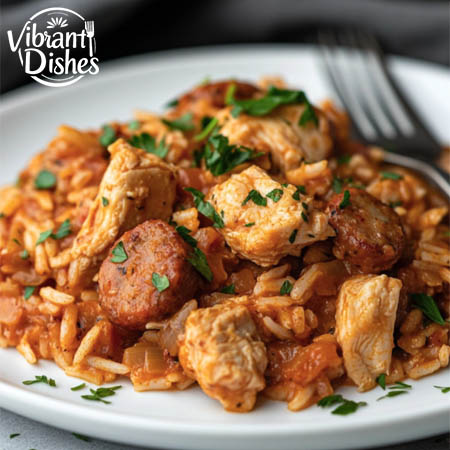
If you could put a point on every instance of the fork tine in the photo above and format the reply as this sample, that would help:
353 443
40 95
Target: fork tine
328 45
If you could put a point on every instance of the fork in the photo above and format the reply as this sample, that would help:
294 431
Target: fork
90 31
357 70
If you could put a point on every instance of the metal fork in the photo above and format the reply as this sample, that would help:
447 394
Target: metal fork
356 68
90 31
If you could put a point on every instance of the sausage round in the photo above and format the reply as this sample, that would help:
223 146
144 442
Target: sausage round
369 233
127 293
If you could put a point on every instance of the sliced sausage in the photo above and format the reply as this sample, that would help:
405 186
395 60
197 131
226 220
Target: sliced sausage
127 293
369 234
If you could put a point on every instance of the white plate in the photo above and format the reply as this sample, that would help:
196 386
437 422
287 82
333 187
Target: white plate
189 419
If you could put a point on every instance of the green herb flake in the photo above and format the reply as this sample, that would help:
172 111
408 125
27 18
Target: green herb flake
249 224
304 217
381 380
299 190
108 136
256 198
172 103
119 253
428 306
330 400
443 389
99 394
308 115
44 236
336 185
345 406
105 201
134 125
391 176
275 195
183 123
63 231
148 143
40 379
286 288
205 207
82 437
344 159
184 233
14 435
400 385
78 387
2 215
345 201
391 394
395 204
293 236
16 241
230 289
29 290
200 263
161 282
24 254
45 180
207 130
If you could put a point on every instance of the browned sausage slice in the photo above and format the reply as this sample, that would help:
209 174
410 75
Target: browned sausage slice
369 233
127 293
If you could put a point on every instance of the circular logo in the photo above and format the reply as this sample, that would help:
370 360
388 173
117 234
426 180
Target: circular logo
56 47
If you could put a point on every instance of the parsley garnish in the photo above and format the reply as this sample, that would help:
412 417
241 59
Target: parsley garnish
148 143
161 282
205 208
99 394
249 224
184 233
308 115
119 253
134 125
336 185
45 180
108 136
14 435
275 195
24 254
345 406
63 231
256 198
397 389
221 157
443 389
172 103
395 204
2 215
200 263
208 128
391 176
78 387
228 289
381 380
293 236
82 437
40 379
300 190
344 159
43 236
105 201
345 201
428 306
392 394
304 216
28 292
183 123
286 288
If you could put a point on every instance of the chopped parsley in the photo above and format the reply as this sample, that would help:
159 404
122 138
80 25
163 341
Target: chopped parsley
256 198
345 201
443 389
41 379
14 435
172 103
381 381
293 236
207 129
24 254
184 233
399 388
222 157
99 394
395 204
205 207
200 263
29 290
275 195
345 406
63 231
78 387
336 185
299 190
105 201
249 224
119 253
45 180
400 385
286 288
134 125
43 236
230 289
2 215
161 283
391 176
344 159
392 394
108 136
304 216
308 115
148 143
16 241
183 123
428 306
305 206
82 437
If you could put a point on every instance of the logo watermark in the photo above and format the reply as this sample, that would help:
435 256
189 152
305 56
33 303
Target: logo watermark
47 43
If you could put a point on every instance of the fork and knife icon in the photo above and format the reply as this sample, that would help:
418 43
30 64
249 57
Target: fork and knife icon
90 31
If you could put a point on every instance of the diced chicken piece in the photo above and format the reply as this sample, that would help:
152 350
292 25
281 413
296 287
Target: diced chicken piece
365 317
279 134
222 350
137 186
281 228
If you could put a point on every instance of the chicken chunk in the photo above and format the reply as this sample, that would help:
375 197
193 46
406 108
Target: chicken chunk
365 317
135 187
222 350
265 234
369 234
279 134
